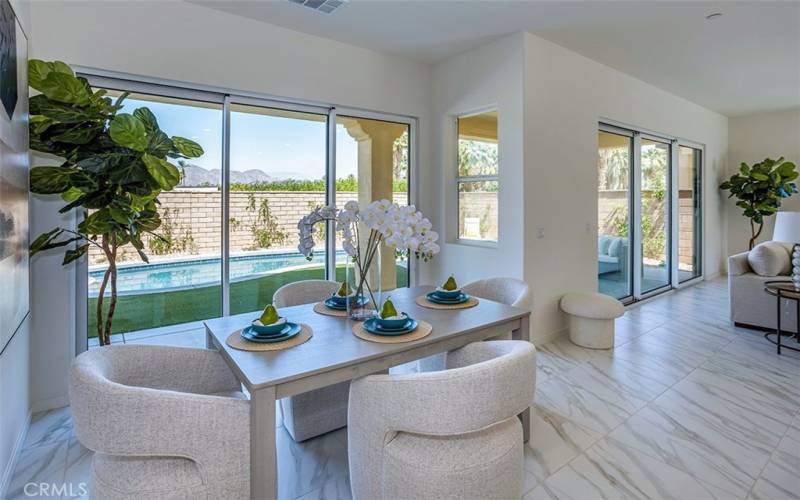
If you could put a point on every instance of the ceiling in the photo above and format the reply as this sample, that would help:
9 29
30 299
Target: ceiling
746 61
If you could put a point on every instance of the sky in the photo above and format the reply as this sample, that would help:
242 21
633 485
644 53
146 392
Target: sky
282 147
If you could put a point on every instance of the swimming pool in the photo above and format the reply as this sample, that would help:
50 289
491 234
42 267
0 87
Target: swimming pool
198 272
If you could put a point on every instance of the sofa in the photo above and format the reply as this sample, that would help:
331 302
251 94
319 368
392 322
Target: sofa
612 254
750 305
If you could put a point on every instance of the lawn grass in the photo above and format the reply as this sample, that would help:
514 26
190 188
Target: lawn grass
151 310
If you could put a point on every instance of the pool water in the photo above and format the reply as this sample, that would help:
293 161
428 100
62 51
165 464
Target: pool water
200 272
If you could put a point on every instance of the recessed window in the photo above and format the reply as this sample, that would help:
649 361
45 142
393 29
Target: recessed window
478 177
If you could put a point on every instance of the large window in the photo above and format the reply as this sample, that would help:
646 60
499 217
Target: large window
229 233
649 215
478 177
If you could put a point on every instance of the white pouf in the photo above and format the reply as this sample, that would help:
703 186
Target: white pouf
591 318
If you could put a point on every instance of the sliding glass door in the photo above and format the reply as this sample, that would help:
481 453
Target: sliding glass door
689 212
182 282
278 161
649 213
614 252
229 234
654 227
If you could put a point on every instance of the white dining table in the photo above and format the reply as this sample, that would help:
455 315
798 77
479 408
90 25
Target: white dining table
334 354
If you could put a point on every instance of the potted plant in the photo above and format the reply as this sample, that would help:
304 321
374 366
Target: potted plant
760 189
114 166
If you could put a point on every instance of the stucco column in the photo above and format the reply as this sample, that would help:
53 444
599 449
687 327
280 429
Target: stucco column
375 174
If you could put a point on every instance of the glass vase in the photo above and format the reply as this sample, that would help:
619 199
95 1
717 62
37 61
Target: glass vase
366 286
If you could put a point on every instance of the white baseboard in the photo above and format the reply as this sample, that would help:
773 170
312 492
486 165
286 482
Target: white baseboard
5 480
49 404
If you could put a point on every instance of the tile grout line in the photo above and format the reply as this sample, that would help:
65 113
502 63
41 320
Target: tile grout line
774 450
647 403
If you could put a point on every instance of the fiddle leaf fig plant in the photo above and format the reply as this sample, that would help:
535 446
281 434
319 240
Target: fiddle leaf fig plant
760 189
113 167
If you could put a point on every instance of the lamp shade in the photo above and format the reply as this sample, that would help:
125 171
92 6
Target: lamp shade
787 227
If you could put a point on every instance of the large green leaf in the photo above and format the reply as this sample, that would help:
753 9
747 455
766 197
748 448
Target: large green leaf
50 180
188 148
44 239
786 169
62 87
147 118
79 134
139 203
149 221
39 123
131 172
123 215
71 194
37 71
98 222
128 131
73 255
165 174
63 113
160 144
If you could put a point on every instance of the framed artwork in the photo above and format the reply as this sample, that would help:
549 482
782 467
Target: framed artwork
14 239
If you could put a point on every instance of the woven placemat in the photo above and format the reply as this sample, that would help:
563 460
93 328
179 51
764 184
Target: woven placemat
423 330
424 302
321 308
236 341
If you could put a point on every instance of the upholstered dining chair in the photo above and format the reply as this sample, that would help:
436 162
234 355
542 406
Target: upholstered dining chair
323 410
163 422
509 291
451 434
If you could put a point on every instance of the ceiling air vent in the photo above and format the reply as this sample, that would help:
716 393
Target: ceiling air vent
326 6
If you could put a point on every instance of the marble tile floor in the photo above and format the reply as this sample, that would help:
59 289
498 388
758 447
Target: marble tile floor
685 406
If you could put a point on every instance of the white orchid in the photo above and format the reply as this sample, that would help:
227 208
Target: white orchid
401 227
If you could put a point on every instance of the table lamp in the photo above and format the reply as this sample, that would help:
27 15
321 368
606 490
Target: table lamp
787 230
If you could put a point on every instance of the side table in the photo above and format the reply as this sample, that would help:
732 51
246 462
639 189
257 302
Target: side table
783 290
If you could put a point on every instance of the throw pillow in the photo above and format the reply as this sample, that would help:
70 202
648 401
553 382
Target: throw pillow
615 248
602 246
770 259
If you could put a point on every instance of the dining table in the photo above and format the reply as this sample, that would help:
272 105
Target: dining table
334 354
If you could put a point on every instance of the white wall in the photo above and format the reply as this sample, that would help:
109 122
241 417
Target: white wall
484 78
189 43
14 361
751 139
566 95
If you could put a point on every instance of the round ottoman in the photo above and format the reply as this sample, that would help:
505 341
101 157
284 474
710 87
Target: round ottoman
591 318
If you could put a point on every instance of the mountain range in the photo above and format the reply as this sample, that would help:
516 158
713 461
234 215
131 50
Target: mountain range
195 175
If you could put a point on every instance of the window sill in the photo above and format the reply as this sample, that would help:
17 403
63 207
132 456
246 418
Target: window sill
475 243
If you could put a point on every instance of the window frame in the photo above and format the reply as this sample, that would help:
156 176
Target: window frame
675 143
227 97
462 179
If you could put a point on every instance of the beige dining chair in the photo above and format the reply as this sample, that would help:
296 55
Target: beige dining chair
509 291
319 411
451 434
163 422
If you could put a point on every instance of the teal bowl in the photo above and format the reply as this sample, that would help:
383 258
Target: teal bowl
269 329
447 294
339 300
392 324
